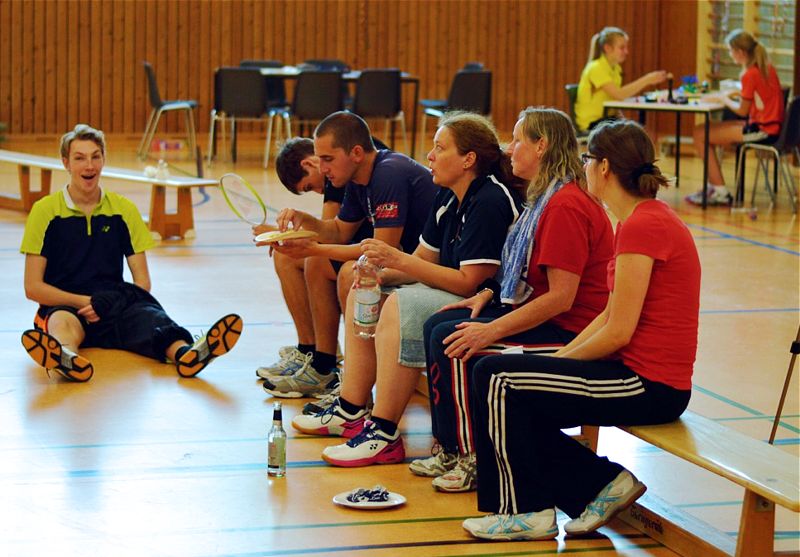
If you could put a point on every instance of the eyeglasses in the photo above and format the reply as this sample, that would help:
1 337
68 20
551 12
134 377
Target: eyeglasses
586 157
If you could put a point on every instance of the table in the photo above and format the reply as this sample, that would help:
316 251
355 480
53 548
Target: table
291 72
694 107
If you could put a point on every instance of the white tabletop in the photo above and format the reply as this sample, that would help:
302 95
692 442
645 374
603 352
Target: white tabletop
693 105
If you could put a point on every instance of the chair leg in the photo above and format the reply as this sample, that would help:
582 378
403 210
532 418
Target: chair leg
141 151
287 119
153 129
270 118
741 155
788 179
211 138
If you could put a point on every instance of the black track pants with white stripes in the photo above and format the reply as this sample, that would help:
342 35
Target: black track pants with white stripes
520 404
448 378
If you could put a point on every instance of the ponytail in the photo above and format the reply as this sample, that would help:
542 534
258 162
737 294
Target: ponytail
756 53
606 36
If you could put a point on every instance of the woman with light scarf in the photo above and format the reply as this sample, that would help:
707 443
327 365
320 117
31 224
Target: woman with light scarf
551 285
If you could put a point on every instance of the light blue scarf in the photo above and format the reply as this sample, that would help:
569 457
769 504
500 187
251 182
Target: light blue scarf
514 289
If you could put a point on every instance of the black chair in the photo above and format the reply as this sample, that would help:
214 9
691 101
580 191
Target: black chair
378 96
572 94
470 90
158 108
473 67
788 143
276 86
239 94
326 65
316 95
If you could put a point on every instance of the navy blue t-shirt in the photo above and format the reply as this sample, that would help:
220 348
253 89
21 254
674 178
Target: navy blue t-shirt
473 232
400 193
332 193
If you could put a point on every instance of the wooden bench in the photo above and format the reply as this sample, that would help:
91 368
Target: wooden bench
162 224
768 475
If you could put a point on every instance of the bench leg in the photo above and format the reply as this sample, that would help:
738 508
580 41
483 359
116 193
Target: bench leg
27 197
588 436
180 223
756 526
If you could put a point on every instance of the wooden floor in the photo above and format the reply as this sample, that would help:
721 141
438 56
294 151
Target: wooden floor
139 462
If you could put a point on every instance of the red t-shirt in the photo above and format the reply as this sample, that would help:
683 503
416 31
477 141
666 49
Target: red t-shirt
766 97
574 235
664 345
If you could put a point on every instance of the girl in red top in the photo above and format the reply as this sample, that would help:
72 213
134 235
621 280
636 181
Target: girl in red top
760 101
631 365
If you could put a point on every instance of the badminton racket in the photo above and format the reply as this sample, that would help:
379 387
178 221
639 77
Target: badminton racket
243 199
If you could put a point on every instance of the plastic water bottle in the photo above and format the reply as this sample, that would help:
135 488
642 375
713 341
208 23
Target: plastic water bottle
162 172
276 444
367 298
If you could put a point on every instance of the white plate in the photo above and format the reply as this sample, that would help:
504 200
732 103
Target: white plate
395 500
277 236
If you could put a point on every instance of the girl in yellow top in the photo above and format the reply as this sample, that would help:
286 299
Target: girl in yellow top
601 79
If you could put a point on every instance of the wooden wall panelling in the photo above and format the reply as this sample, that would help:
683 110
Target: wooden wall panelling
50 80
104 101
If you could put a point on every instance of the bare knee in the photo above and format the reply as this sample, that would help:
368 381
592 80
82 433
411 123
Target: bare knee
344 282
66 327
285 264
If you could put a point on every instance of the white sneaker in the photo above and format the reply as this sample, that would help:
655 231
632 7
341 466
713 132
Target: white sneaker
305 382
464 477
615 497
333 420
716 195
371 446
289 362
528 526
440 463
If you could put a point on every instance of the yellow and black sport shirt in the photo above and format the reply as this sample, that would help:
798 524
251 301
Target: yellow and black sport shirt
84 253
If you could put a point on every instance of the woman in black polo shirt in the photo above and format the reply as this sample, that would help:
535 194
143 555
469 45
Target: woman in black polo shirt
459 248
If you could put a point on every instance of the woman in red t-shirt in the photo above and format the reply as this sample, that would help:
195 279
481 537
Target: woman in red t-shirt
760 101
631 365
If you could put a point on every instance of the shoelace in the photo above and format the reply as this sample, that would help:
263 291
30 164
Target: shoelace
600 504
369 432
327 413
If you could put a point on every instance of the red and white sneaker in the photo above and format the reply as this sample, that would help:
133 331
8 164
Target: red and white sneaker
333 420
370 446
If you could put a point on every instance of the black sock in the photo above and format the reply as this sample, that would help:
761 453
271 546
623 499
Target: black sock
386 426
349 407
181 351
306 348
324 363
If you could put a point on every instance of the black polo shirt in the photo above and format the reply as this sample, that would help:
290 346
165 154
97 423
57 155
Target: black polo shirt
473 232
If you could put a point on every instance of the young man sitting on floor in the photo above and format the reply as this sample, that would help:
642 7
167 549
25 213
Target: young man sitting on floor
75 242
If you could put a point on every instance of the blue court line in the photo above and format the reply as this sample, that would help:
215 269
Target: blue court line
550 551
742 407
753 310
743 239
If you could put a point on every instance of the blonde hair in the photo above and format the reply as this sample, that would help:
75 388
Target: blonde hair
83 132
606 36
560 159
747 43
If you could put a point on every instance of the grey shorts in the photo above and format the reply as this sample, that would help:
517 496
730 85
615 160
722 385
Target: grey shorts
416 303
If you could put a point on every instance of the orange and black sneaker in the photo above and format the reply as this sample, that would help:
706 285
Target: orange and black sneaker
219 340
50 354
